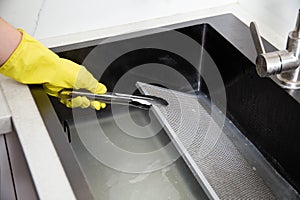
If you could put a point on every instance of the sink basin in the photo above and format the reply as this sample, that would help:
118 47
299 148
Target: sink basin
261 111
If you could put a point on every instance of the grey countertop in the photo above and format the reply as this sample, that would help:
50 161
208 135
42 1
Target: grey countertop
45 167
5 115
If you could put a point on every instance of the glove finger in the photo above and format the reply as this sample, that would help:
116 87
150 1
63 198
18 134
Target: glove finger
85 80
103 105
98 105
52 90
100 89
82 102
63 101
79 101
67 102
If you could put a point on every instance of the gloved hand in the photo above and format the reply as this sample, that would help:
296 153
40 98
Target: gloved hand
33 63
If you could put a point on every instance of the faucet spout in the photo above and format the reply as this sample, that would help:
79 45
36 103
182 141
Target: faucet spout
296 32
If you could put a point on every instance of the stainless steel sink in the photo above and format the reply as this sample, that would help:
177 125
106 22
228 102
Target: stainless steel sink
260 110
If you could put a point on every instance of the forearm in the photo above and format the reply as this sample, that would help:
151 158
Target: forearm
10 38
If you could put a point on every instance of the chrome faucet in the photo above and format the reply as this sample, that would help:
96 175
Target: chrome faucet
284 63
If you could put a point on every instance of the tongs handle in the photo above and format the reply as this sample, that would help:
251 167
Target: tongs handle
142 101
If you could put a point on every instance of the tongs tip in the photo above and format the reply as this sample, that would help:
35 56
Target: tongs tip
161 100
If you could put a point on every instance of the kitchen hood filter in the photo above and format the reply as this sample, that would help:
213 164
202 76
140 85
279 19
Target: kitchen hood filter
225 163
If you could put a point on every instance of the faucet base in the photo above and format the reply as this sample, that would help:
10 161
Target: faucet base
289 80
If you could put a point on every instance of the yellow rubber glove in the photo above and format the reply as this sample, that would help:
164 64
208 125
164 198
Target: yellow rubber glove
33 63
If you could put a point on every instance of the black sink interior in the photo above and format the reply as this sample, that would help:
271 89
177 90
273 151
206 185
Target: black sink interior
264 112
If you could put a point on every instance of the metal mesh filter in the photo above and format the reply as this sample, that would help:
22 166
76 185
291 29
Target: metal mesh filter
214 159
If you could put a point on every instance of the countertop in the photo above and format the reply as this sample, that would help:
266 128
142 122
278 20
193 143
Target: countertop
51 181
269 34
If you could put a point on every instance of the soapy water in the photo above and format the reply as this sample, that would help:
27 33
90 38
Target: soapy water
174 181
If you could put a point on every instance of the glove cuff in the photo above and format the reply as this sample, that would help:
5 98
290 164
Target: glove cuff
33 63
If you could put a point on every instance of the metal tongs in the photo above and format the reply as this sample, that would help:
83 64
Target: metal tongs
140 101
